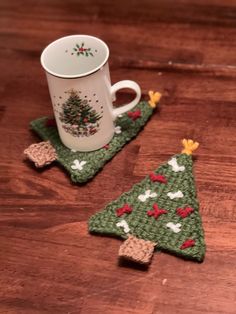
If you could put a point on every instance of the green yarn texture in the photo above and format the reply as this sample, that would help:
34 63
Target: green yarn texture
97 159
147 227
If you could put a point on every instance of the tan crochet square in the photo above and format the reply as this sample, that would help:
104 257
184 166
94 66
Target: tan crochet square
41 154
137 250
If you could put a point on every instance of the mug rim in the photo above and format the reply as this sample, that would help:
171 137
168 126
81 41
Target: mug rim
67 76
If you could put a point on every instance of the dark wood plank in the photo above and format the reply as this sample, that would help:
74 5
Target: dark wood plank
49 262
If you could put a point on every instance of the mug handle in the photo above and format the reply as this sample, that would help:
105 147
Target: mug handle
132 104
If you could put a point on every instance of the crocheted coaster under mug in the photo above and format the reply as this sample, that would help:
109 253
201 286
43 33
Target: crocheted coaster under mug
82 166
160 212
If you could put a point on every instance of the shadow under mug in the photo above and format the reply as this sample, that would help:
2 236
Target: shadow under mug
81 92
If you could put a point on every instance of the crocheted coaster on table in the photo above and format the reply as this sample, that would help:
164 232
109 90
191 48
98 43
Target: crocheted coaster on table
84 165
161 211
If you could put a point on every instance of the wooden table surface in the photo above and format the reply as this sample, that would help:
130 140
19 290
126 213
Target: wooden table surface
48 262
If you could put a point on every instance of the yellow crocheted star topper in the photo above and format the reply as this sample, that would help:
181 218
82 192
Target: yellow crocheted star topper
189 146
154 98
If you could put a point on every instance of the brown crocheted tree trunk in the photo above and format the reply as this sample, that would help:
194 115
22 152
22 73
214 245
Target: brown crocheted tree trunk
41 154
137 250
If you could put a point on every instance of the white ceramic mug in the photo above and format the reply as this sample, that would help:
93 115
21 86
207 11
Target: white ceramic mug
80 88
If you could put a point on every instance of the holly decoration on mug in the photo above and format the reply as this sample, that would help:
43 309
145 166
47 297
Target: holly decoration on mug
81 50
78 117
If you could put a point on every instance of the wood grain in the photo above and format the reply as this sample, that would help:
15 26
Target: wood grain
48 262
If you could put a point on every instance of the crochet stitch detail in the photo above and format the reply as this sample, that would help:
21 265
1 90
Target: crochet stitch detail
41 154
126 209
156 212
123 224
184 212
157 178
78 165
176 228
189 146
173 195
137 250
154 98
147 194
175 167
187 244
134 115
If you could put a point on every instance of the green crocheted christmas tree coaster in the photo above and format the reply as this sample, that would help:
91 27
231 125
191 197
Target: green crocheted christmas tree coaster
82 166
161 211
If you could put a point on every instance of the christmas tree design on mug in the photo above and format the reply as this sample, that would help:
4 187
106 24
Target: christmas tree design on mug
78 117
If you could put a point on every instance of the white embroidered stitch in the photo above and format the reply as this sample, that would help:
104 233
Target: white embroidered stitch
78 165
174 227
146 195
73 150
118 129
175 167
173 195
123 224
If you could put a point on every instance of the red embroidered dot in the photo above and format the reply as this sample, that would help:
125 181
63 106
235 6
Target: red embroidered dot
50 122
107 146
157 178
126 209
156 212
188 243
184 212
134 115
